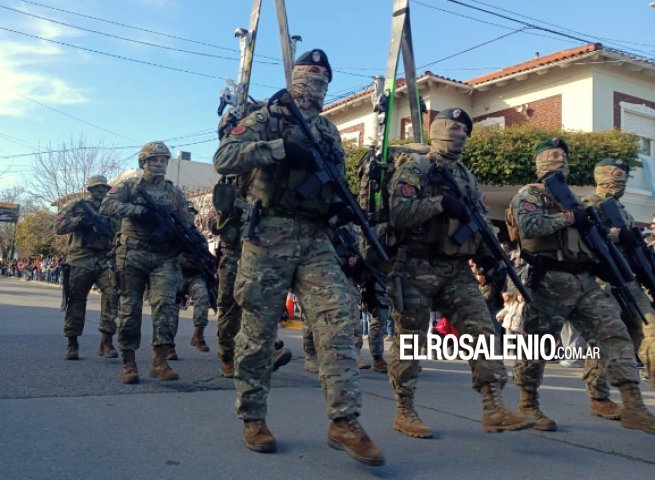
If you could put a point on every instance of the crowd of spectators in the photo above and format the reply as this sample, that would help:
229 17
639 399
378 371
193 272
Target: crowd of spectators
35 268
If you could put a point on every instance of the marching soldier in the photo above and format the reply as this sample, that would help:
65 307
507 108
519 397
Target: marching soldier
91 261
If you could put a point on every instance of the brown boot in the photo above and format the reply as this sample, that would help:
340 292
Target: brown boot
605 408
159 367
529 406
495 417
129 373
407 420
361 363
227 369
347 434
198 339
635 414
257 436
379 364
72 349
106 348
171 354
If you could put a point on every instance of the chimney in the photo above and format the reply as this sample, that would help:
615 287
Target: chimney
536 55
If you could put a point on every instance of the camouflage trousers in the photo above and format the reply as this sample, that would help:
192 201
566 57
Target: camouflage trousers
293 254
446 285
81 280
355 316
229 313
161 272
197 289
643 340
374 299
578 298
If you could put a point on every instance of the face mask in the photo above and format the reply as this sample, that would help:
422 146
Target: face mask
446 140
151 169
552 160
610 181
309 90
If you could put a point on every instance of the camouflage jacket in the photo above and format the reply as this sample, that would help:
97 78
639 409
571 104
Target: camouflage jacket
86 243
255 150
122 201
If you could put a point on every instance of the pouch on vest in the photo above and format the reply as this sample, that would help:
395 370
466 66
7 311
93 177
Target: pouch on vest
223 197
512 227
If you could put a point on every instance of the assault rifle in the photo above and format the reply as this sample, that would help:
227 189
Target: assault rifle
347 239
640 257
99 222
189 240
613 266
478 224
326 171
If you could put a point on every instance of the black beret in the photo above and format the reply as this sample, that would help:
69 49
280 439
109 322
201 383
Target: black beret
555 142
315 57
614 162
458 115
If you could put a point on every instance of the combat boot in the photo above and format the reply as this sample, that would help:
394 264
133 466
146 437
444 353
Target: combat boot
281 357
107 349
407 420
129 373
159 367
529 406
347 434
257 436
361 363
172 353
311 363
379 364
198 339
73 349
227 368
605 408
635 414
495 417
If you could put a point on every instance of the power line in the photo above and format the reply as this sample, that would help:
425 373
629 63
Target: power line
150 44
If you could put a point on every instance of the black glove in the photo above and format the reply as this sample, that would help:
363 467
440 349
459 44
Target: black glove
581 219
627 238
140 212
494 270
454 208
299 155
344 216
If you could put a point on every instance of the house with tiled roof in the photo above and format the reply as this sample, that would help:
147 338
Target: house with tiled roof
587 88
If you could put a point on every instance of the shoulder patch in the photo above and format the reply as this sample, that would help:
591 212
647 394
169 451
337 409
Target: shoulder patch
60 217
249 122
260 117
408 190
531 198
416 170
412 179
113 190
238 130
535 191
529 207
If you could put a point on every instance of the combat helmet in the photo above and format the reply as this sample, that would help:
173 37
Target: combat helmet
153 149
96 180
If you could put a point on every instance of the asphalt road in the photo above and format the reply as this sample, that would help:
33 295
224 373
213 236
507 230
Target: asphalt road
64 419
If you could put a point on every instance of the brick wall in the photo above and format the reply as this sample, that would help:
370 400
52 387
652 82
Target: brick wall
546 113
359 129
624 97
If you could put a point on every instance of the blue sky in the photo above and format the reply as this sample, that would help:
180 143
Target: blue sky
52 92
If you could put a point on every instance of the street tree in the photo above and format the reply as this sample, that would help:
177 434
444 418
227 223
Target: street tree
35 233
60 171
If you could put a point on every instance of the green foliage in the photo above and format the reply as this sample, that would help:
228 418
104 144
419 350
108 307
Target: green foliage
35 234
505 156
353 156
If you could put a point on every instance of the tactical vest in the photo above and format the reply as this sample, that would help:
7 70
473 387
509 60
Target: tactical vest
276 186
436 233
87 238
565 244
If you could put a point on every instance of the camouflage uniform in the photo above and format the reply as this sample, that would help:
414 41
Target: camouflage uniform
91 261
430 272
146 256
642 336
567 290
291 250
